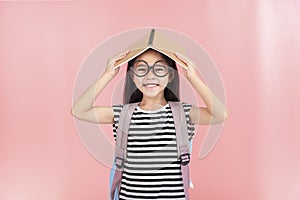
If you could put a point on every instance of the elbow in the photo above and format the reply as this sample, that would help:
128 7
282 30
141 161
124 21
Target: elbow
219 119
79 114
74 112
225 116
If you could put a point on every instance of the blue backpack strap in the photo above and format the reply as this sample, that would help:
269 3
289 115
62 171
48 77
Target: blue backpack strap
120 149
183 144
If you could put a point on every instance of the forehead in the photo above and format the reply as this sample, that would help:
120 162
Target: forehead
150 56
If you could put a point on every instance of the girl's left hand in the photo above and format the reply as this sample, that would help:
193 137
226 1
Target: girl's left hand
190 71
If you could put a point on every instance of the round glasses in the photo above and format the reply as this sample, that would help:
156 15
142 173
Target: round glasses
160 68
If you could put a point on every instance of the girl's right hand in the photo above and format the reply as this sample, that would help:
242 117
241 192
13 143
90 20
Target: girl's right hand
111 64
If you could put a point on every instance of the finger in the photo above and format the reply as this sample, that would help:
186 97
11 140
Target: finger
120 56
185 59
124 54
182 58
180 55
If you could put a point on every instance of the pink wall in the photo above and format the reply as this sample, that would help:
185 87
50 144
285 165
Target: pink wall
255 45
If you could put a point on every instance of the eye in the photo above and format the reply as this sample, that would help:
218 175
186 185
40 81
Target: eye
160 68
140 68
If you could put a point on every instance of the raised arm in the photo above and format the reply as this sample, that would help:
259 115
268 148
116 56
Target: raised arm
83 108
215 112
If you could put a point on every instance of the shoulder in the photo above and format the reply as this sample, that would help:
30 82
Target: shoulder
186 105
117 111
128 108
118 107
190 126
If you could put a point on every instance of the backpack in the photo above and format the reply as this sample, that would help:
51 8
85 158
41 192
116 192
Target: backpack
184 146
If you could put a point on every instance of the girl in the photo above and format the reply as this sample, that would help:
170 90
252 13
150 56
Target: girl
152 169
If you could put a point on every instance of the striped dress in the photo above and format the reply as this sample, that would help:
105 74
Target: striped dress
152 169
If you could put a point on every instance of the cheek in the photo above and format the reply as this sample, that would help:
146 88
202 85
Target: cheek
138 82
165 81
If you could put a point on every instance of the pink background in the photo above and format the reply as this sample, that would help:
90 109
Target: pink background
255 45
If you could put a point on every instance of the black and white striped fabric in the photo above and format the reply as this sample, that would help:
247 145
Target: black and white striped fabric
152 169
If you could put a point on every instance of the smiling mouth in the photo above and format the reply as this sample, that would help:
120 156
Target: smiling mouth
150 85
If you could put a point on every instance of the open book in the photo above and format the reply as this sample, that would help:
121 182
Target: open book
156 41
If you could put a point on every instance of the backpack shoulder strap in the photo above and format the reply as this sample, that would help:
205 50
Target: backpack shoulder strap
183 145
180 127
122 133
121 145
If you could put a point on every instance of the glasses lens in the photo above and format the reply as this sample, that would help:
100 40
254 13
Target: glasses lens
140 68
161 68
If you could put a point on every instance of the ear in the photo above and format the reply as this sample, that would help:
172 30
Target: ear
171 76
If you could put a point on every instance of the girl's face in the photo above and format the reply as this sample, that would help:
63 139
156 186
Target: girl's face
152 85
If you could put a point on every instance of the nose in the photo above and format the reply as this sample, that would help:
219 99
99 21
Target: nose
150 74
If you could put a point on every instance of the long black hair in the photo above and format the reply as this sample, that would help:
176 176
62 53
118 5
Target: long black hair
132 94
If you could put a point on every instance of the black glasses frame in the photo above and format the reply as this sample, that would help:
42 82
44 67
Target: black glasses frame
149 68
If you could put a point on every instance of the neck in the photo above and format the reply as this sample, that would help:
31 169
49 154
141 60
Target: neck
149 103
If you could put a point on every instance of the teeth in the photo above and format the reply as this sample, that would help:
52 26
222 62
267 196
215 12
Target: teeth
150 85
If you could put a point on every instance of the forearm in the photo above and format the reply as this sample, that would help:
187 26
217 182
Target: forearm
214 105
87 99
